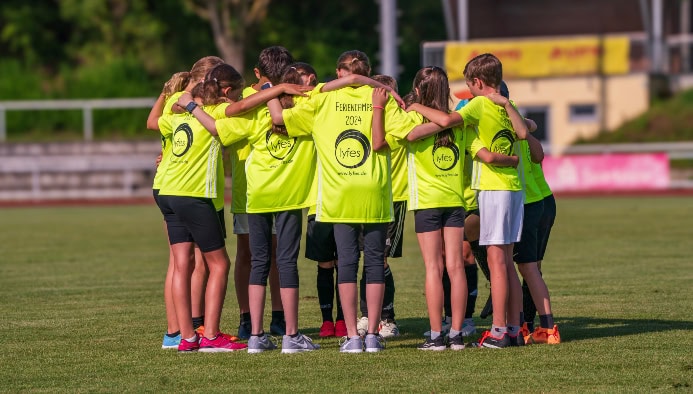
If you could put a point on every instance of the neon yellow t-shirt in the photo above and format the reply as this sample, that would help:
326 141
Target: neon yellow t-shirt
497 135
279 169
469 194
525 169
435 173
354 182
539 177
195 168
165 144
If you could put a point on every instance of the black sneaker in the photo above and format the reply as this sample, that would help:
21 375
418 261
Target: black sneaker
278 327
489 341
456 342
517 340
437 344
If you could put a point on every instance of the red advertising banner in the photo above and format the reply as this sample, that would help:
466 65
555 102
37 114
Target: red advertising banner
607 172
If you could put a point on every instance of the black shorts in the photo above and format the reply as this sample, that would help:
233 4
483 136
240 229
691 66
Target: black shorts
545 225
192 219
155 192
525 251
320 244
222 221
395 230
434 219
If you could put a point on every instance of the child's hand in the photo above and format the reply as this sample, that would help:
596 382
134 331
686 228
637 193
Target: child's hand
296 90
184 99
497 99
158 159
379 97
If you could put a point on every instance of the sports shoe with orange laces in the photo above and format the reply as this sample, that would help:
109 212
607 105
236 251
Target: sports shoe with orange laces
327 329
524 331
546 335
201 333
489 341
220 343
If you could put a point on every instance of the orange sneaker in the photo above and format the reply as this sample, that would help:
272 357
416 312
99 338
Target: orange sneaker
546 335
524 331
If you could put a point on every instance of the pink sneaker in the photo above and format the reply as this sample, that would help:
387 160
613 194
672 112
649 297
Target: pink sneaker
185 346
220 343
340 329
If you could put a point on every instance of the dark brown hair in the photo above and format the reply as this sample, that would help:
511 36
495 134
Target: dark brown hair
354 61
485 67
432 89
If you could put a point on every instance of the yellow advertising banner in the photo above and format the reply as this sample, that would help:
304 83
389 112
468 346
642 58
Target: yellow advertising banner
545 58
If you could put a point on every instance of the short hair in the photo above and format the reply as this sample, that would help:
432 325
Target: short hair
354 61
386 80
485 67
201 67
273 61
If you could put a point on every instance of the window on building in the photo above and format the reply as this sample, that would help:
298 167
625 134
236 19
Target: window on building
583 113
540 116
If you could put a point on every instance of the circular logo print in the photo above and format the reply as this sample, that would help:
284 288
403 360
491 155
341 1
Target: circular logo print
503 142
182 140
352 148
279 146
446 157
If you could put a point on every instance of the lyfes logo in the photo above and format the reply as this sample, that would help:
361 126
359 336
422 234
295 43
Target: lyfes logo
503 142
182 140
352 148
279 146
446 157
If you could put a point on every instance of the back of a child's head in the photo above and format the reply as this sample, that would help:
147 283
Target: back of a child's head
486 67
432 88
386 80
355 62
306 70
176 83
273 61
203 66
222 82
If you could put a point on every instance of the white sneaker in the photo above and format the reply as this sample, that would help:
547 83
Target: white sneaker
362 326
468 327
388 328
447 324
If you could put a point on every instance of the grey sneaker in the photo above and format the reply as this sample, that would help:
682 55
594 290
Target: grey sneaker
297 344
374 343
468 327
260 343
456 342
351 345
362 325
388 328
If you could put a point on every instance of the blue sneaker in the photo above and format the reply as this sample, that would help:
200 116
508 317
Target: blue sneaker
170 342
374 343
351 345
260 343
299 343
278 327
244 330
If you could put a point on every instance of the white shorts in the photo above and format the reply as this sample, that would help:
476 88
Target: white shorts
240 224
501 213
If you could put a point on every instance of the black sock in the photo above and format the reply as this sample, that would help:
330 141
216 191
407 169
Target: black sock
479 252
245 317
198 321
470 271
173 334
277 316
446 293
388 311
546 321
325 292
528 304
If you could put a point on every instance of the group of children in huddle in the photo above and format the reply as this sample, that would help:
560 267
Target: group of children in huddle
357 157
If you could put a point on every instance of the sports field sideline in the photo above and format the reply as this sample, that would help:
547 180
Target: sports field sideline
83 311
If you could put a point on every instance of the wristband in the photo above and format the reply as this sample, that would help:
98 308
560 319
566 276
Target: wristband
191 106
378 107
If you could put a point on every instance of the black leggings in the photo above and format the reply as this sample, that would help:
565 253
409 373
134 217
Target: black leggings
347 239
288 225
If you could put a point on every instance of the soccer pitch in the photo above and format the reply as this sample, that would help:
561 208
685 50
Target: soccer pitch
82 310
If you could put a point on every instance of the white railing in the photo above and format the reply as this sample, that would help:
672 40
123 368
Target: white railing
87 107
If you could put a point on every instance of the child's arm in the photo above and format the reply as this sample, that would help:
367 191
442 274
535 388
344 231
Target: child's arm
445 120
496 159
377 125
422 131
204 118
518 122
360 80
264 96
155 113
536 151
275 110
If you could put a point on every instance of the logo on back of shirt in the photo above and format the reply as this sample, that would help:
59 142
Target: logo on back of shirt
503 142
446 157
182 140
352 148
279 146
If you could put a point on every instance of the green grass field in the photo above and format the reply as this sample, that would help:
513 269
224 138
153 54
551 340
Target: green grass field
82 310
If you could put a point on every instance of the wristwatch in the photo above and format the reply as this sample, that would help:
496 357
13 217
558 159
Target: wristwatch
191 106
